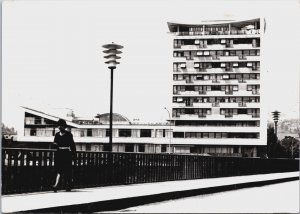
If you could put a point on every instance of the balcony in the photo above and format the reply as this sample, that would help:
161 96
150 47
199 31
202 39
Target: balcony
229 45
242 104
242 81
201 115
223 32
255 115
201 70
228 115
189 81
215 81
215 57
229 92
202 46
242 57
255 92
202 92
189 104
215 104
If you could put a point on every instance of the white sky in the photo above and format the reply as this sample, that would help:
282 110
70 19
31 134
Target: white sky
52 54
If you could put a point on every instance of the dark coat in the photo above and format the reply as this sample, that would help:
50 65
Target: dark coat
63 156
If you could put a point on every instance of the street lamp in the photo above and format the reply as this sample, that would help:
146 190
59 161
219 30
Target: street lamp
275 118
170 131
112 51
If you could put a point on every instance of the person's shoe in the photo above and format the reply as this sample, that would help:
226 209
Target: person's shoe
54 188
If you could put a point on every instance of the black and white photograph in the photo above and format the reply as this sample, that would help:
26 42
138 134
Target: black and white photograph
127 106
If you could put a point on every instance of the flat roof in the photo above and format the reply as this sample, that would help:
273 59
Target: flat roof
238 23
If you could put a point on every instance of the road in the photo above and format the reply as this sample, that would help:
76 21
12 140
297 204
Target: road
276 198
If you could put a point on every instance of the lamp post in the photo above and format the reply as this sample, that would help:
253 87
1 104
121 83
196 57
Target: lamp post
111 57
170 131
275 118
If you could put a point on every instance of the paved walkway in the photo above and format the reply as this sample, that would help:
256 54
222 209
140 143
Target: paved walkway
44 201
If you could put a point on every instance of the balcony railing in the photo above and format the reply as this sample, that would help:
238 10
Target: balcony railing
215 57
202 92
216 104
32 170
229 92
255 92
242 57
189 81
232 32
242 104
242 81
255 115
215 81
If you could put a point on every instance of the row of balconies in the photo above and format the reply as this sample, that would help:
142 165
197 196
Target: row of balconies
217 104
216 58
217 46
217 93
218 70
214 81
226 32
216 117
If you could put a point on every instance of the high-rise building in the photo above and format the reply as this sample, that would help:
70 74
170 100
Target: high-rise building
217 87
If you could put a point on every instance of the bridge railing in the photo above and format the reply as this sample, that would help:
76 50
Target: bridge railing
32 170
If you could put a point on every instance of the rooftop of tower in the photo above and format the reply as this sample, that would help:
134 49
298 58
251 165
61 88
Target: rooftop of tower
213 23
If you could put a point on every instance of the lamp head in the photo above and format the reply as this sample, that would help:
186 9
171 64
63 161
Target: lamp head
112 51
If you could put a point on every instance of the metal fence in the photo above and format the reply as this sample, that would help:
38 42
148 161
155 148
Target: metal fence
31 170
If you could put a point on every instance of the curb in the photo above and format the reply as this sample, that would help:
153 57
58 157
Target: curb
123 203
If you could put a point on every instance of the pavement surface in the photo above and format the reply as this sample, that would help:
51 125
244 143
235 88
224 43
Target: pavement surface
122 196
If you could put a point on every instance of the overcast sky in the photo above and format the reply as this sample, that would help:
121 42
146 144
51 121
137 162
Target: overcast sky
52 54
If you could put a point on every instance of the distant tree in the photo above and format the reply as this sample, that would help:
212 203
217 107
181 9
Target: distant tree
7 131
291 146
274 147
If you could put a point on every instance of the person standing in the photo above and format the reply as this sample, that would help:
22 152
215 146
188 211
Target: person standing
64 155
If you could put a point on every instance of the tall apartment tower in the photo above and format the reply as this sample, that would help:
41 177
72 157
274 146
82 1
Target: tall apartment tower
217 94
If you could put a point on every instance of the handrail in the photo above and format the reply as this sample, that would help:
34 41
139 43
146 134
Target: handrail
32 170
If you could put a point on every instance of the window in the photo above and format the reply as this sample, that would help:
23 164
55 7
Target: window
145 133
32 132
89 132
164 133
107 131
226 76
88 147
163 148
141 148
106 147
125 133
178 134
129 147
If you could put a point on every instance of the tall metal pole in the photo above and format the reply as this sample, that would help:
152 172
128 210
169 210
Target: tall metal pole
111 107
170 138
111 50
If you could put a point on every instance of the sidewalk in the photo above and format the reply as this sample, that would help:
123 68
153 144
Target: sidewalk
122 196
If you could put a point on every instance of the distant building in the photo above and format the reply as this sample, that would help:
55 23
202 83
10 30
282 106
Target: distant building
92 134
217 76
217 100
